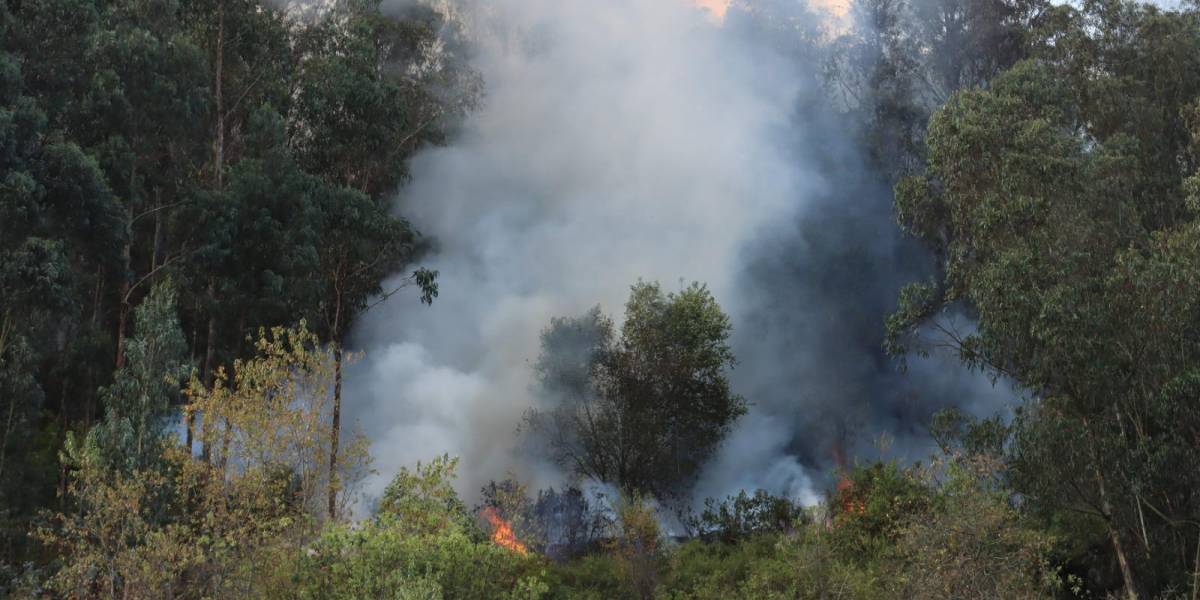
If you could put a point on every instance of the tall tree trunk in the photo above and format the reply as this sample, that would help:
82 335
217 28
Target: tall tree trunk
98 299
335 336
6 325
62 424
1196 574
123 318
8 427
219 68
156 254
336 430
227 433
1114 535
218 182
210 354
126 266
1119 549
188 418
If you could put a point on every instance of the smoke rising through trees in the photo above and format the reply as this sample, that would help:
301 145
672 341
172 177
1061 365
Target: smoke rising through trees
628 140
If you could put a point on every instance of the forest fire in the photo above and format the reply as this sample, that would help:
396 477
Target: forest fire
502 532
848 500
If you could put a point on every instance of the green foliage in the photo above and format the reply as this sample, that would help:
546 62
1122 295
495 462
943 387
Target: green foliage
385 559
147 140
359 113
360 245
257 237
800 565
702 570
1058 200
904 58
972 542
955 432
269 417
421 544
743 516
422 501
140 399
643 411
58 224
870 508
592 577
180 523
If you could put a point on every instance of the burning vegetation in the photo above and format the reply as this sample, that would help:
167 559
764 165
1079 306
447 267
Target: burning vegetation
847 497
502 532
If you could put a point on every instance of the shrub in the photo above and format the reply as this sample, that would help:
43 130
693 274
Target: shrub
742 516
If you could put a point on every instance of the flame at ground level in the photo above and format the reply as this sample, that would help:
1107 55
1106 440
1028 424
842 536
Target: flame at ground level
851 502
502 533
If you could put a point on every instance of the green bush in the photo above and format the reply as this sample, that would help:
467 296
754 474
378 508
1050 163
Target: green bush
870 508
591 577
745 515
699 569
384 560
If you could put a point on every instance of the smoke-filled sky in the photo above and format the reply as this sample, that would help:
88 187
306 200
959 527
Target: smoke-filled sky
835 8
628 139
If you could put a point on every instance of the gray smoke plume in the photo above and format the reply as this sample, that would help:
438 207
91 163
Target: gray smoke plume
628 139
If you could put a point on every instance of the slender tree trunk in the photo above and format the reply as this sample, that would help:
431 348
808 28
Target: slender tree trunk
1106 506
158 230
98 299
189 419
210 344
210 354
123 318
126 267
189 425
1115 537
219 68
1196 574
8 427
335 336
62 422
5 327
227 434
123 321
218 181
336 430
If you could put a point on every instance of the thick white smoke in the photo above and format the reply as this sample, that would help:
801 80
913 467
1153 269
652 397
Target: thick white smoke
619 139
627 139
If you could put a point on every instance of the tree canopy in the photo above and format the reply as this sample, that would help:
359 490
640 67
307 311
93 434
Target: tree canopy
645 410
1058 198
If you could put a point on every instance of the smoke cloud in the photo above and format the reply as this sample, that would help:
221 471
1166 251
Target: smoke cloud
633 139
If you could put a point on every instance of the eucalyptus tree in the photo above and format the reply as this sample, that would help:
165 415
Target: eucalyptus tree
248 47
59 224
132 435
1059 201
145 102
370 90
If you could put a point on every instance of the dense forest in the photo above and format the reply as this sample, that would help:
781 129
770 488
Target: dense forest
198 203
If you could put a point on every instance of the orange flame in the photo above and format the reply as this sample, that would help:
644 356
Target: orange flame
502 533
850 501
